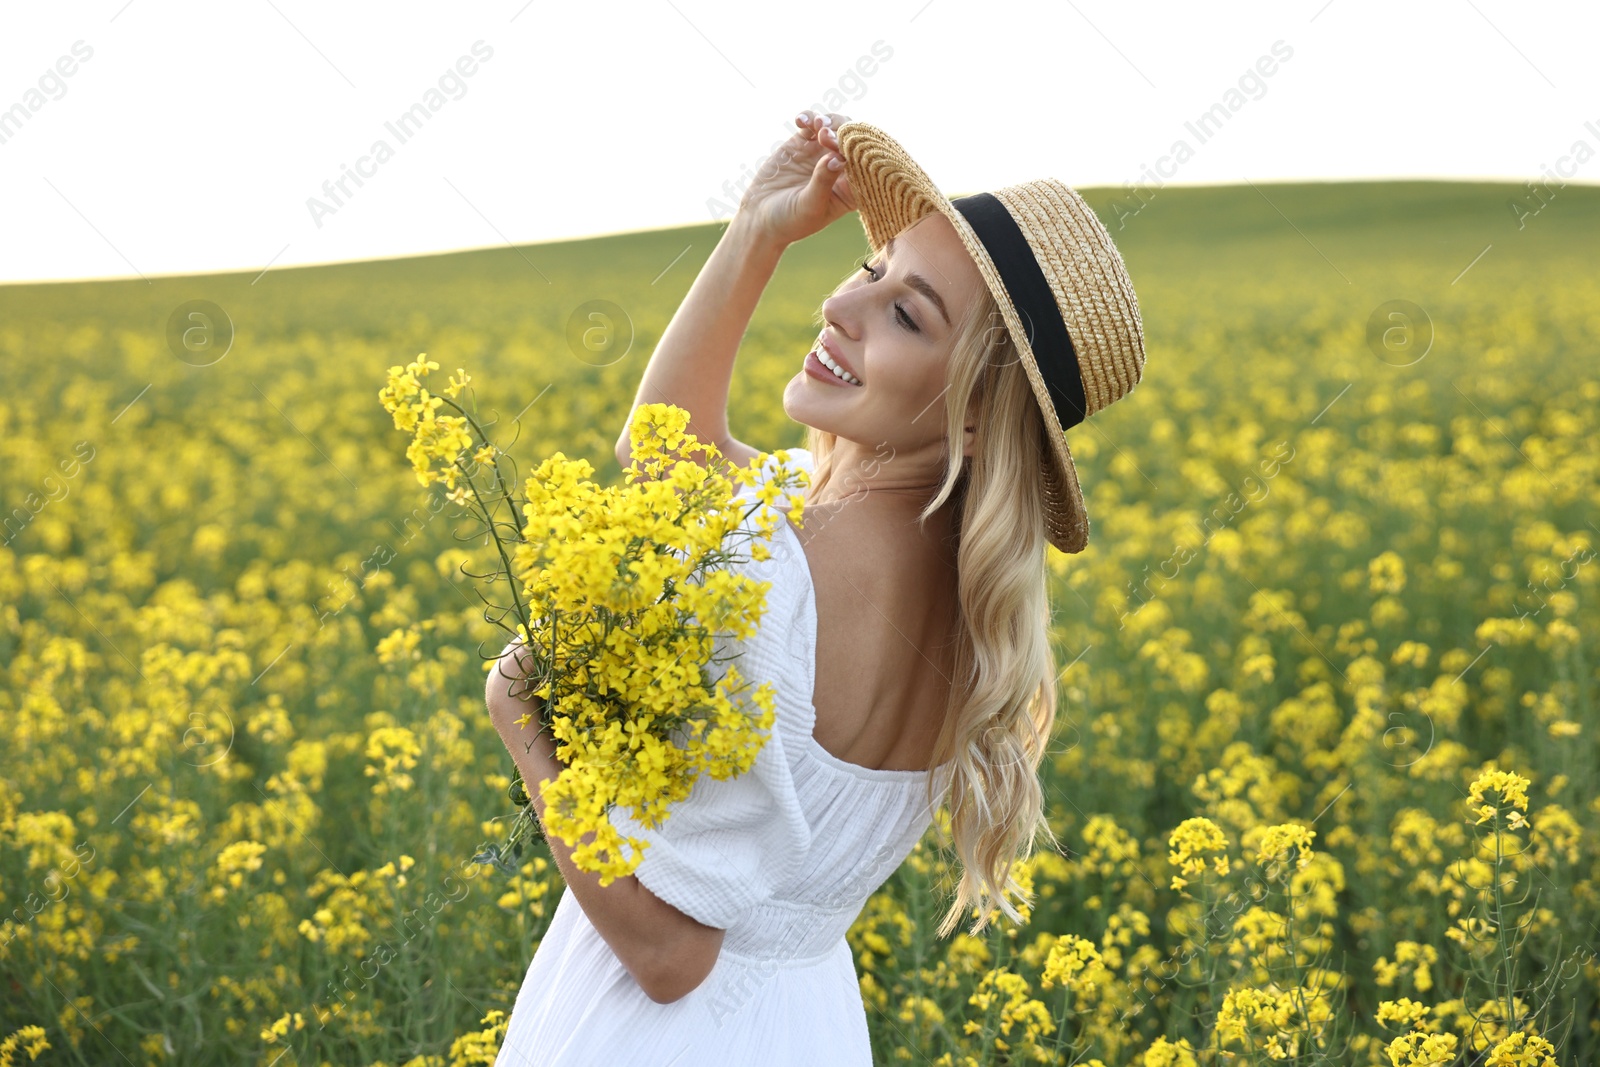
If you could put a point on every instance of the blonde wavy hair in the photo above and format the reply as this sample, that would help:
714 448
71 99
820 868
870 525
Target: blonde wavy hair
1002 703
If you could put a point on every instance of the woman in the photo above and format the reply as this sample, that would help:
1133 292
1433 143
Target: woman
906 627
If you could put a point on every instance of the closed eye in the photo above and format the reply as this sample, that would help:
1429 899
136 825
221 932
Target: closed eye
905 319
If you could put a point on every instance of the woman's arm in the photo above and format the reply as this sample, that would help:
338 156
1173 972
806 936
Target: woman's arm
668 953
692 366
797 191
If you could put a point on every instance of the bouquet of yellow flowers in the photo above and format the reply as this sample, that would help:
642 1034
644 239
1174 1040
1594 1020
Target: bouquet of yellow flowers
618 594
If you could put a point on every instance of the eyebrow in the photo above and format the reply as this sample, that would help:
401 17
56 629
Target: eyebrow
921 285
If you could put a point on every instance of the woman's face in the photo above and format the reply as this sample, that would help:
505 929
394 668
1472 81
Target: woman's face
892 328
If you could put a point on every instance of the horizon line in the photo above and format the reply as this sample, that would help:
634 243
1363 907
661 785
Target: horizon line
571 239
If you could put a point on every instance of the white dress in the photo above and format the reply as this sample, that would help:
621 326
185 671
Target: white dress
782 858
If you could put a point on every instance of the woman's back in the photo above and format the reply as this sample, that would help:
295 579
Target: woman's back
886 604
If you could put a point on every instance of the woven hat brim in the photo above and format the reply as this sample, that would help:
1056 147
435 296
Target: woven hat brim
892 193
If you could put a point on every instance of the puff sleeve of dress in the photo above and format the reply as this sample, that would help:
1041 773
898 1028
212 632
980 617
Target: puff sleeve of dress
724 848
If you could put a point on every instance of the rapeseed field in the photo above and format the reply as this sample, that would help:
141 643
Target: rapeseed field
1326 758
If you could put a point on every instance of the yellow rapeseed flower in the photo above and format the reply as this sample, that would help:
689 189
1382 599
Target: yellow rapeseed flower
1511 791
1164 1053
1387 573
1190 843
1522 1050
1405 1012
1071 961
1422 1050
29 1039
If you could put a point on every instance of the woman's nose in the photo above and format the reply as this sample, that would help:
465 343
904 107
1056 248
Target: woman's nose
838 312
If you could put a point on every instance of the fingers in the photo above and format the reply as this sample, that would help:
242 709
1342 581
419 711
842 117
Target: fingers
824 174
830 141
811 122
823 129
818 127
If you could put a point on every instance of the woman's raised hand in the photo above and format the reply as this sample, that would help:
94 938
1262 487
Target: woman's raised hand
801 187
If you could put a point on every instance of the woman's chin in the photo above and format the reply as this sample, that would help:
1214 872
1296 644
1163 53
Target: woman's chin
801 408
796 404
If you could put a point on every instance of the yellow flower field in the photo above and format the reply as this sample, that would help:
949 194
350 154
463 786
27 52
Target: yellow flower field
1326 756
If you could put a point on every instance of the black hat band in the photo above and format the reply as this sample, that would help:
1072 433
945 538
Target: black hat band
1034 301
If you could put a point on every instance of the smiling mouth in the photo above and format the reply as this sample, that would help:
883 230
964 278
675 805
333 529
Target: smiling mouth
826 361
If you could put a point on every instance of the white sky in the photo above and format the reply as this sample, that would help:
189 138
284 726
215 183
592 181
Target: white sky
193 136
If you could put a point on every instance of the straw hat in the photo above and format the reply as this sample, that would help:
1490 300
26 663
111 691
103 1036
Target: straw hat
1059 281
